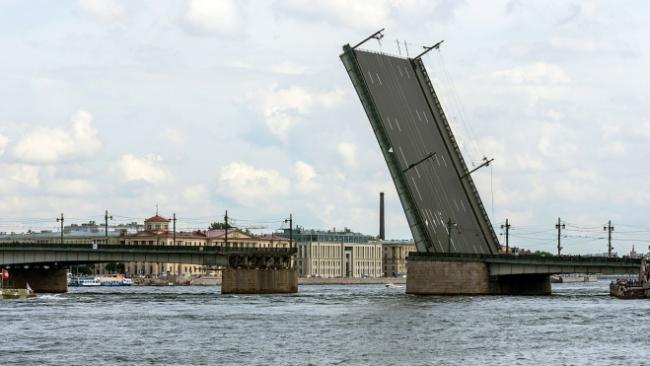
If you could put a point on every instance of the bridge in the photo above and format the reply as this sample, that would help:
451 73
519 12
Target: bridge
44 265
458 251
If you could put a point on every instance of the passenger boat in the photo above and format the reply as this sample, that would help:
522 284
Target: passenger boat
115 280
627 288
112 280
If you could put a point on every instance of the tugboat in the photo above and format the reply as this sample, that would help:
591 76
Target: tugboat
633 289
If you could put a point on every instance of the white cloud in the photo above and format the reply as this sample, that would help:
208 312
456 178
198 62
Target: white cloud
537 73
71 187
359 14
331 99
195 194
348 153
147 169
286 68
105 9
173 136
18 176
221 16
249 185
282 108
305 175
52 145
4 141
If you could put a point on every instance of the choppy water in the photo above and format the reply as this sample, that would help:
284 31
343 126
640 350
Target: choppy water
323 325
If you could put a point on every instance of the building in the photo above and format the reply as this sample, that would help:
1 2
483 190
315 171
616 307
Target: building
336 253
394 256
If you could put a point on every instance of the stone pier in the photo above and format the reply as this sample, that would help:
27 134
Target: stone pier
259 281
40 280
429 276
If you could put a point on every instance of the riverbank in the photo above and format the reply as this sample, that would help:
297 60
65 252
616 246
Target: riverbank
306 281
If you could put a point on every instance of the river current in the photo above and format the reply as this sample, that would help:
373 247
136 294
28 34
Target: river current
323 325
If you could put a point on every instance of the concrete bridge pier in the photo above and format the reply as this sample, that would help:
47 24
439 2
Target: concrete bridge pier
41 280
429 276
259 274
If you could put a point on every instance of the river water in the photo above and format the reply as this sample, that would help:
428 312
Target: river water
323 325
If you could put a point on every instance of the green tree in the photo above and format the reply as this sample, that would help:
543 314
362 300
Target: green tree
114 267
219 226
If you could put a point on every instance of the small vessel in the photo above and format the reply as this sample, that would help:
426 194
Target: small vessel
111 280
115 280
392 285
16 293
83 281
573 278
627 288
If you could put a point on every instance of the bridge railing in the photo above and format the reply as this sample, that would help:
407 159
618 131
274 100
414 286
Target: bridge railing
531 257
128 247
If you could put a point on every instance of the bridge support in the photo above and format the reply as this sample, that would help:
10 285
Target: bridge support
41 280
431 276
259 281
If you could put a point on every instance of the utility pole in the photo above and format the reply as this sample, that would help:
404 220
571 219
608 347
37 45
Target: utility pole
559 226
106 218
61 219
290 221
450 225
225 219
609 228
507 227
174 228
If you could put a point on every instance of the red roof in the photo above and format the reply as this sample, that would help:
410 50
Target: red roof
156 218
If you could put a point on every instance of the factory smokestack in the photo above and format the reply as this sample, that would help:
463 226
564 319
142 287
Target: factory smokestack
382 227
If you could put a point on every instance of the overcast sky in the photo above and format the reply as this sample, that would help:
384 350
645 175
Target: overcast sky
202 106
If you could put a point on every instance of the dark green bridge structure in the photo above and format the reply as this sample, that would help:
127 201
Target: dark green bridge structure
458 251
44 266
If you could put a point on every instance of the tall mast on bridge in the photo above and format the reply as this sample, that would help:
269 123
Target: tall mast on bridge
559 226
609 228
61 219
106 218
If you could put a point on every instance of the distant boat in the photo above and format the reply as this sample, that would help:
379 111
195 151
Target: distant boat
573 278
111 280
392 285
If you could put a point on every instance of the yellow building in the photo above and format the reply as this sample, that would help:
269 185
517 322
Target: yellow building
394 254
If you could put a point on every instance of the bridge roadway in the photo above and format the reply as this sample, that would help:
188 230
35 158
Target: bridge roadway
245 270
504 265
16 253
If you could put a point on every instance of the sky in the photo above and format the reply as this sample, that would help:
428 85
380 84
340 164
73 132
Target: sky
204 106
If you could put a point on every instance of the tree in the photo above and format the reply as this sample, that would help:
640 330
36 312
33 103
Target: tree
219 226
114 267
542 253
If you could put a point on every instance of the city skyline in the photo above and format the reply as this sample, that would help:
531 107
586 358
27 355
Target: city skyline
202 108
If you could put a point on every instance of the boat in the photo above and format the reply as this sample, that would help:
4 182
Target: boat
628 288
16 293
111 280
115 280
392 285
573 278
84 281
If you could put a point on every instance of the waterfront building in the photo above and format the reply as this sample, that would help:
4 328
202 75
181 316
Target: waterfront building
394 256
334 253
